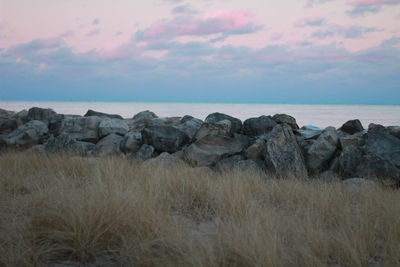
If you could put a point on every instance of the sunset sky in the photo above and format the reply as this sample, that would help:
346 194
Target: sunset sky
288 51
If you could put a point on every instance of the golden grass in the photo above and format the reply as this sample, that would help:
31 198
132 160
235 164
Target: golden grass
61 208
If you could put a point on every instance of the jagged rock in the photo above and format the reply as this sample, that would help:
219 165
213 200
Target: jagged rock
190 126
352 127
7 125
351 140
375 166
257 149
284 118
216 117
109 145
394 130
164 160
171 121
6 114
144 115
164 138
376 128
322 150
349 160
82 128
284 154
212 148
65 143
223 127
112 126
384 145
145 152
91 113
48 116
238 163
132 142
31 133
258 126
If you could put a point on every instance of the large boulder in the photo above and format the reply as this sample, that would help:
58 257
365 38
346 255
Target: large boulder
394 130
258 126
190 126
48 116
112 126
144 115
216 117
164 160
351 140
7 125
375 166
256 150
109 145
145 152
6 114
132 142
91 113
348 161
284 154
64 143
284 118
322 150
223 127
82 128
31 133
164 138
352 127
143 119
211 148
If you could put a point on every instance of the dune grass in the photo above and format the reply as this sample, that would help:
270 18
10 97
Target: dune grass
56 208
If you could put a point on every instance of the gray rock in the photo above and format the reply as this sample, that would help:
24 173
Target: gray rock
258 126
109 145
322 150
310 127
309 134
212 148
7 125
228 164
284 154
31 133
351 140
164 160
145 152
164 138
284 118
171 121
375 166
216 117
144 115
190 126
376 128
64 143
91 113
112 126
394 130
82 128
48 116
132 142
352 127
6 114
349 160
223 127
257 150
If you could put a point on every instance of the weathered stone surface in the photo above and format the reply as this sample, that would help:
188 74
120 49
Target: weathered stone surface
212 148
351 140
223 127
6 114
109 145
258 126
257 150
384 145
91 113
375 128
112 126
82 128
349 160
164 160
228 164
238 163
145 152
284 154
352 127
190 126
171 121
7 125
284 118
48 116
322 150
216 117
144 115
164 138
375 166
394 130
132 142
31 133
65 143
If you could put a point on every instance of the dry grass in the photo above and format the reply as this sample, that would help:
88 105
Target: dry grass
61 208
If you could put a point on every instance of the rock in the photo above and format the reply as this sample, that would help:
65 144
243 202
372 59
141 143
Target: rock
29 134
223 127
132 142
164 138
309 134
322 150
109 145
190 126
228 164
238 163
394 130
256 150
7 125
349 160
144 115
284 154
352 127
350 140
145 152
65 143
82 128
212 148
171 121
6 114
48 116
3 142
21 117
164 160
289 120
383 144
310 127
112 126
375 128
258 126
91 113
216 117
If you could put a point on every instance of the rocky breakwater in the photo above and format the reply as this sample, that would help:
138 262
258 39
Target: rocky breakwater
274 146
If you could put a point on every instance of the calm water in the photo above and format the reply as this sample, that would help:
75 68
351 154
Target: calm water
318 115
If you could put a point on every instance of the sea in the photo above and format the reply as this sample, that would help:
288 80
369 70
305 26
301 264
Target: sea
316 115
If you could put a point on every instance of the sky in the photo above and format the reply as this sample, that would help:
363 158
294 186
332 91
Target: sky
287 51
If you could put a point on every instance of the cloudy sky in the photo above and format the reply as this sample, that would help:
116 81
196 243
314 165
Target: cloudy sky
288 51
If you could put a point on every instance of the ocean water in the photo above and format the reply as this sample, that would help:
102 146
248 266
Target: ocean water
317 115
